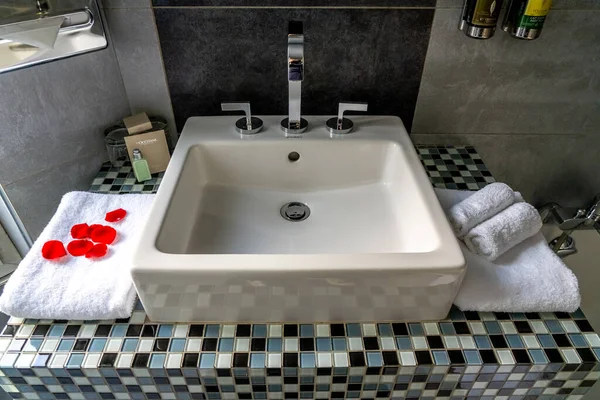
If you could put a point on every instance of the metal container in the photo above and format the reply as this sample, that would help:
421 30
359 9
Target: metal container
479 18
115 145
114 138
525 18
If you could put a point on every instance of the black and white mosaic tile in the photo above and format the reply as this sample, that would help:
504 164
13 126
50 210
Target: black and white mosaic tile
447 167
474 355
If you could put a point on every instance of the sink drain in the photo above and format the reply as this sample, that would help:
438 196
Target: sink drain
295 211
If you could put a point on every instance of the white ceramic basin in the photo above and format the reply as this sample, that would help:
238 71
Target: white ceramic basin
376 245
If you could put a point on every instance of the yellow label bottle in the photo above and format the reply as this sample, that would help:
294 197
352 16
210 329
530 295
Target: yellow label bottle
525 18
538 8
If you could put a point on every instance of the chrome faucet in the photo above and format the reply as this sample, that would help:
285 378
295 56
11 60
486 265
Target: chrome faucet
569 220
295 124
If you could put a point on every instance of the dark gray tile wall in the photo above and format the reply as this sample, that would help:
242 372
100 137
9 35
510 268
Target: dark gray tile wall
294 3
52 118
126 3
530 108
222 54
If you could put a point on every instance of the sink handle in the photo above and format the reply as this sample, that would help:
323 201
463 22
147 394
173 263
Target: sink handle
341 125
248 125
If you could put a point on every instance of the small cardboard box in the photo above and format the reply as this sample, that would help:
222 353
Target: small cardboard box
153 146
137 123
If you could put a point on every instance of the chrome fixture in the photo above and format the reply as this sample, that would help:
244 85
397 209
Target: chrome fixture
567 248
295 211
569 220
341 125
248 125
50 33
295 124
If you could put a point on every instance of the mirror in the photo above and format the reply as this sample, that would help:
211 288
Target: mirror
49 32
20 41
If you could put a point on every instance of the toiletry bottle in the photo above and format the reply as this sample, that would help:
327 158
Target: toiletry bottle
479 18
525 18
140 166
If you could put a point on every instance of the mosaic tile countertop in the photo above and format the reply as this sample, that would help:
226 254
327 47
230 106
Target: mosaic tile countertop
469 355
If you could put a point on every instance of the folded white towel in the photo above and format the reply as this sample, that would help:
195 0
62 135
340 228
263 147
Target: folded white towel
519 197
77 287
530 277
503 231
479 207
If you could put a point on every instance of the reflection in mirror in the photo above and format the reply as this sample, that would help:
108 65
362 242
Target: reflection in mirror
47 32
12 53
20 41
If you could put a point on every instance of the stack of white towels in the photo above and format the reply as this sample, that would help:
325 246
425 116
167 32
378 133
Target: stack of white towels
494 220
510 267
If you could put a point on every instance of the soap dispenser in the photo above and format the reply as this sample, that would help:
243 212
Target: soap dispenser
479 18
525 18
140 166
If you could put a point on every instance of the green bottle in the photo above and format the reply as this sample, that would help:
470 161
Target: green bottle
525 18
140 166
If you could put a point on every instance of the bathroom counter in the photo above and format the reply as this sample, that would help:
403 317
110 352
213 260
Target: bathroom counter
468 355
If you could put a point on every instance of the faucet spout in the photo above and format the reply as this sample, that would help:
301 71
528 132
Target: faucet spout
295 67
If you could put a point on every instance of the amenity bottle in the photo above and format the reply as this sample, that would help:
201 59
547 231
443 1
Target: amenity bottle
140 166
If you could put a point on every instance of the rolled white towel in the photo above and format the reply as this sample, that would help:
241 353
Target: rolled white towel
479 207
505 230
519 197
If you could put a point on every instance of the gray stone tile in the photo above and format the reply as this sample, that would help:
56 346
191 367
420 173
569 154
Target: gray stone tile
214 55
21 111
26 153
576 5
561 168
53 111
126 3
82 91
504 85
294 3
135 39
35 198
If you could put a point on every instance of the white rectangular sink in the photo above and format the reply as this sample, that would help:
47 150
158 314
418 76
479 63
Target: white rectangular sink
242 231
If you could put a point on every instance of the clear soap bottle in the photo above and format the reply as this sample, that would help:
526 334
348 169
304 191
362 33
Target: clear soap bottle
140 166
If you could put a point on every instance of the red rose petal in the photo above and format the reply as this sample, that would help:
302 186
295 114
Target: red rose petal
104 234
79 248
53 249
99 250
80 231
116 215
92 227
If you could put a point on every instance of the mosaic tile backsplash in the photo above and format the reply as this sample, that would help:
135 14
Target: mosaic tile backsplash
468 355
